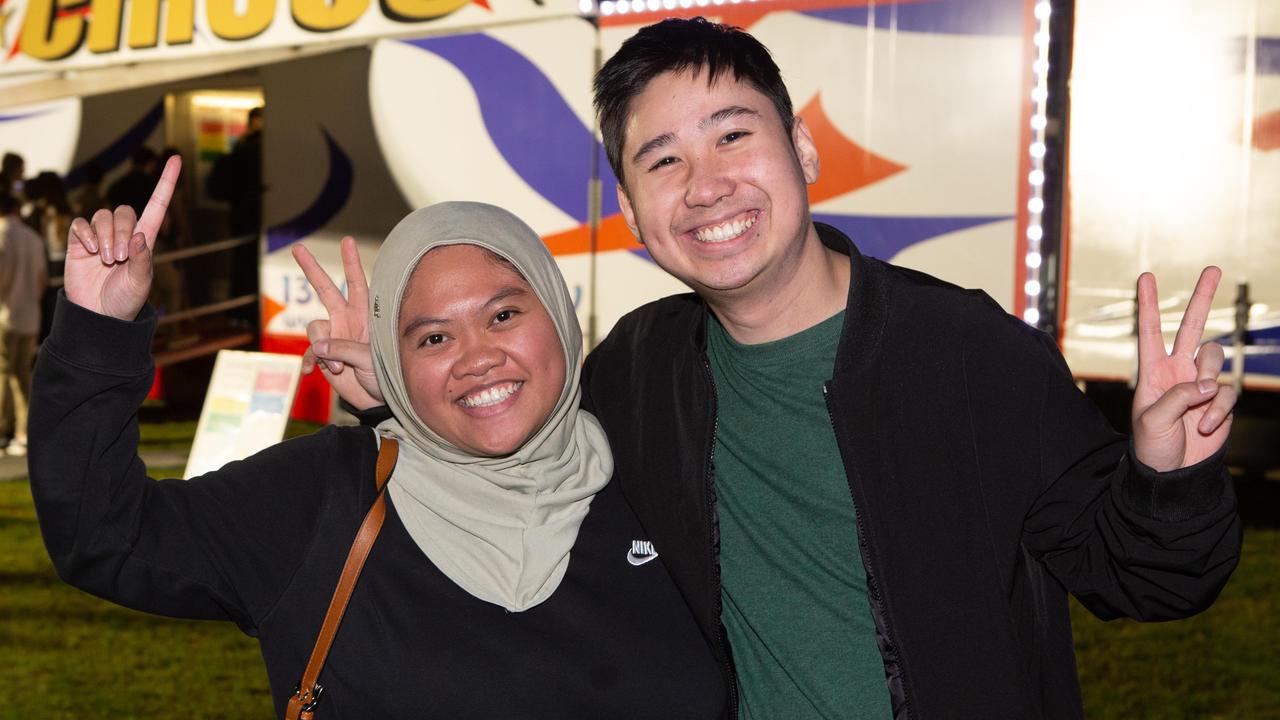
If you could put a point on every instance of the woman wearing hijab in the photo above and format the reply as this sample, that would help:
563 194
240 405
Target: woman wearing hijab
501 584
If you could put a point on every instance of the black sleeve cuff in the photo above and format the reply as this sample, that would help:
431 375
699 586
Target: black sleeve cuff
98 342
1176 495
371 417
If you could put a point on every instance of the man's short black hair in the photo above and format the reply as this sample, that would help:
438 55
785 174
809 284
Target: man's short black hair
678 45
256 113
8 203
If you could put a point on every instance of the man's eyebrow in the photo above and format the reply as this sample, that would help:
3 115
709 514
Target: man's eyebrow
714 118
663 139
506 292
727 113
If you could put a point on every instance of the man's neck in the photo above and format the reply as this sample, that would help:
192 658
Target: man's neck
794 299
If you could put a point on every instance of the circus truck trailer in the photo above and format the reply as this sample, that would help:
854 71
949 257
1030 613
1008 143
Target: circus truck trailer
917 109
1174 164
934 121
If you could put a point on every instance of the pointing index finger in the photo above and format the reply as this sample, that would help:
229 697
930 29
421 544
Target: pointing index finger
1191 329
153 214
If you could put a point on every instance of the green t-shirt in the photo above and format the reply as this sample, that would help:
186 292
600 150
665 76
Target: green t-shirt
792 581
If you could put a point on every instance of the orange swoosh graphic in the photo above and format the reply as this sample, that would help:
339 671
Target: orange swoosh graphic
846 165
270 309
742 15
849 167
1266 131
614 235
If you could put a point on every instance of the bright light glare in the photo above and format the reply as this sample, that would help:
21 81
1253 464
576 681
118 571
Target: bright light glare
226 102
1031 316
1033 288
1036 177
1039 122
1034 233
1037 149
1040 67
1034 260
1040 94
1043 9
1035 205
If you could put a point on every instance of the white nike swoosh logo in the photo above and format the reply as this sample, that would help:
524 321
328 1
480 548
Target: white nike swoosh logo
639 560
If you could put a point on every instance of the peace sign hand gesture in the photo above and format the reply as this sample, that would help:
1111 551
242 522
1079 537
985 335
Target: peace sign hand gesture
1181 415
340 345
108 268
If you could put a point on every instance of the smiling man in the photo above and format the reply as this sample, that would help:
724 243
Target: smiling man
873 488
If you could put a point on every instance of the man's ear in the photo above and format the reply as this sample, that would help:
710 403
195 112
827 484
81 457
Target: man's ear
806 150
628 212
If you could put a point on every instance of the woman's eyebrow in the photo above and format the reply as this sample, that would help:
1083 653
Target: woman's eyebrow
421 321
506 292
509 291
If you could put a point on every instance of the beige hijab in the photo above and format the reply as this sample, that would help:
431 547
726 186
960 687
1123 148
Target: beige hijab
501 528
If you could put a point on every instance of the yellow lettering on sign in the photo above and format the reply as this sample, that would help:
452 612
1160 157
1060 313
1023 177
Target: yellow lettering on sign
415 10
228 25
45 36
327 15
144 23
180 22
104 30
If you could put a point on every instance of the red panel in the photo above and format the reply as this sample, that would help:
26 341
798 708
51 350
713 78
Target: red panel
157 386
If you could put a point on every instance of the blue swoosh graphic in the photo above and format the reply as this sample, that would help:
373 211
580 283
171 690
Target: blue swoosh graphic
1266 339
332 198
536 131
947 17
1266 53
884 236
24 116
120 150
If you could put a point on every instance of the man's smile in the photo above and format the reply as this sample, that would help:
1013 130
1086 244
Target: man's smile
721 232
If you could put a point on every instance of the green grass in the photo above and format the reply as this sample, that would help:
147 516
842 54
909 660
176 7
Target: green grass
65 654
1224 663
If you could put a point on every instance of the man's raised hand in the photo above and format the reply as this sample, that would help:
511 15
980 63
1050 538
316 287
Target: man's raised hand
108 268
340 345
1181 415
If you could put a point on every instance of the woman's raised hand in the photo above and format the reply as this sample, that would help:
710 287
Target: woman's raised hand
340 345
108 268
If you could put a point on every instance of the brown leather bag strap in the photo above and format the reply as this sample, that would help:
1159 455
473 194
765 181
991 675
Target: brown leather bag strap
302 704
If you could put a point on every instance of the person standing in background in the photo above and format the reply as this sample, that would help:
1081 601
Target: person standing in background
242 188
134 187
89 198
23 277
12 169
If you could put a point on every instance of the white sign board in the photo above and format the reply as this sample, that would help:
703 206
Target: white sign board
246 408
